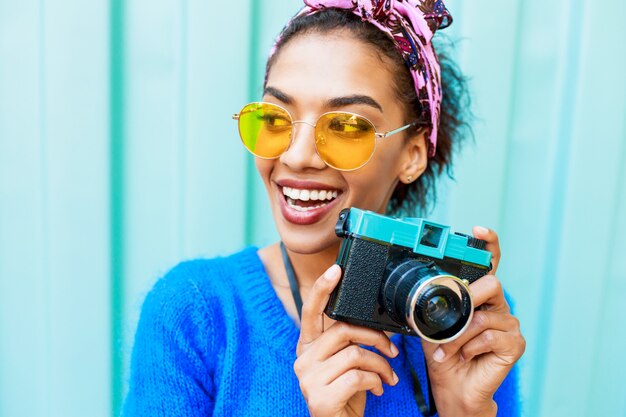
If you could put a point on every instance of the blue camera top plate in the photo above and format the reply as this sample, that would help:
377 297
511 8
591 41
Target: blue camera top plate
422 236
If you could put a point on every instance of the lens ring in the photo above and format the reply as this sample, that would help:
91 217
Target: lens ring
260 139
349 150
416 292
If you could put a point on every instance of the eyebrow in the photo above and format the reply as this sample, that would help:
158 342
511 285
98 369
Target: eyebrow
333 102
278 94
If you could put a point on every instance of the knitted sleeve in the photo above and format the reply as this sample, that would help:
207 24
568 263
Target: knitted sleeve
171 371
508 394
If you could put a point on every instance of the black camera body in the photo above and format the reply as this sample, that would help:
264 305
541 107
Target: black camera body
406 276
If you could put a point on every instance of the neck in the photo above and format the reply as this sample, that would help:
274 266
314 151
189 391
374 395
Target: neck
309 267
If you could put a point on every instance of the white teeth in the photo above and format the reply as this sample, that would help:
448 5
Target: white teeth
309 195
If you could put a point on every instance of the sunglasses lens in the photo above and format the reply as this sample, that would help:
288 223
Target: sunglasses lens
345 141
265 129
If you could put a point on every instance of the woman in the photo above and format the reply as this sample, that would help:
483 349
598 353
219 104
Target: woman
225 337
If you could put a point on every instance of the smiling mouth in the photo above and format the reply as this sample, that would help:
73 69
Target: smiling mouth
307 199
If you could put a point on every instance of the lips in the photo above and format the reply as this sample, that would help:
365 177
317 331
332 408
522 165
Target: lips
306 202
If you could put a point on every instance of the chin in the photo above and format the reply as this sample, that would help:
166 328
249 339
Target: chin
307 239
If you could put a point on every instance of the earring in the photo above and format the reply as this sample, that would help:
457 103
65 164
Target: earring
409 178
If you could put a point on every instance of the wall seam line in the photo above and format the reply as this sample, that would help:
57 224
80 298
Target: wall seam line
117 262
253 77
182 129
513 98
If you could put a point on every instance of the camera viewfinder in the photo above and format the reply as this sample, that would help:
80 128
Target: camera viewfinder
431 236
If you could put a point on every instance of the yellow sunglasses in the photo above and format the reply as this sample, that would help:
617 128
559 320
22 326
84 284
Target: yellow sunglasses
344 140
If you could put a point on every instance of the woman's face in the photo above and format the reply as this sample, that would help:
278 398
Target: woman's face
314 74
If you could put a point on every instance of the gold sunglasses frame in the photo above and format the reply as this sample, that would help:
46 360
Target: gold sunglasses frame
377 135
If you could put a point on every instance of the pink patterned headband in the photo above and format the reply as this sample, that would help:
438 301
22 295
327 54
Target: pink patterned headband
411 25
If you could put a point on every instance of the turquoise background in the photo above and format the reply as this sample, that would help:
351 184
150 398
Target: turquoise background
118 158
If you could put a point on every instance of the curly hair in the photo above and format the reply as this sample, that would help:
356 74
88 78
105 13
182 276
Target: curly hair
418 197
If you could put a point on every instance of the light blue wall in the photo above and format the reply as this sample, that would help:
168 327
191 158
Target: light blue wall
118 158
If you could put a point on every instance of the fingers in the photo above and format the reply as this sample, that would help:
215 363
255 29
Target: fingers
482 322
493 244
354 381
508 346
312 325
355 357
487 293
336 353
331 399
328 385
341 335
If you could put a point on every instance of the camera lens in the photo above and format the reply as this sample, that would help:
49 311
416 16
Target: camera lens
434 304
439 307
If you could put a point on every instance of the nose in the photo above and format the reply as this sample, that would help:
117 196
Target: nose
301 153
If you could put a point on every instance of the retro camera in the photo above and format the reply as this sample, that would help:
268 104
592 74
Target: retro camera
406 276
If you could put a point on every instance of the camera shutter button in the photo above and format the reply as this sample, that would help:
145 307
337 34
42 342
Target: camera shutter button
473 242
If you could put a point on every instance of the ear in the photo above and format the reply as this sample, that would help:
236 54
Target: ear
415 157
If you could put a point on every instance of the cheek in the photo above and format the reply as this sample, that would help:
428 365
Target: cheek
264 168
374 183
372 188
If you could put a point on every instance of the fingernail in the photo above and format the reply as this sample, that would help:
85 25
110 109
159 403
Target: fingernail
395 378
439 355
332 272
482 230
394 350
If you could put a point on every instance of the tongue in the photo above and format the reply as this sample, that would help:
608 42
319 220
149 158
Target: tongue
310 203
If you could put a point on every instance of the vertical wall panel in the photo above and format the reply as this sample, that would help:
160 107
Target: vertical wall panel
605 395
58 307
154 80
152 148
217 87
24 275
597 143
76 122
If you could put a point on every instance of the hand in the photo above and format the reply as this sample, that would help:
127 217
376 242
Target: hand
334 371
466 372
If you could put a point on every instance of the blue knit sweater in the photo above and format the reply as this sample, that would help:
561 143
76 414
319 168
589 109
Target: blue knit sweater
214 340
